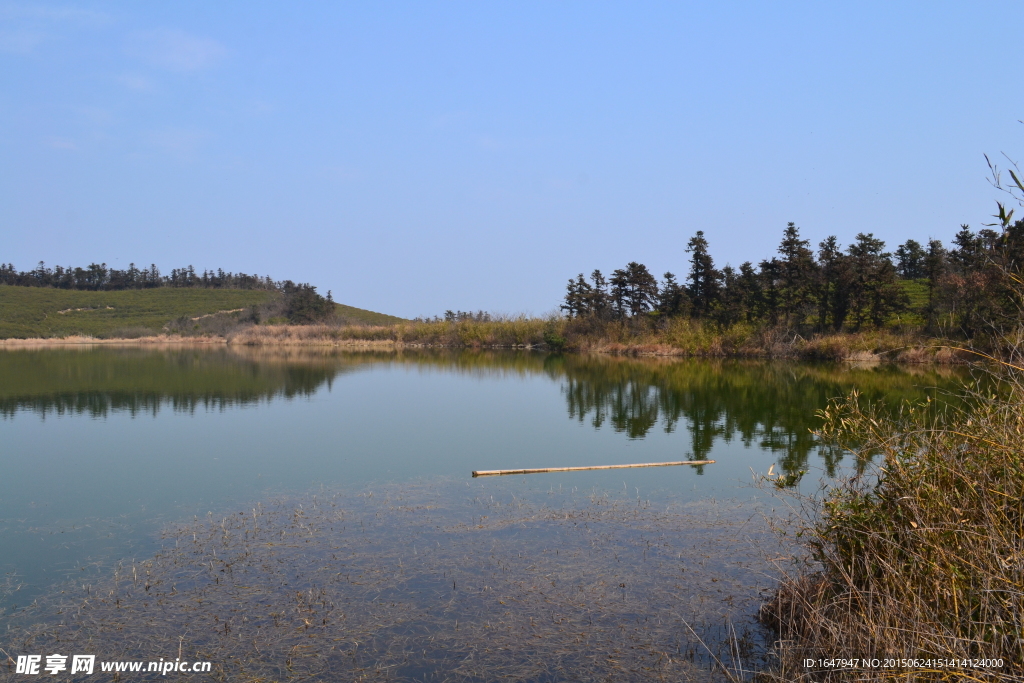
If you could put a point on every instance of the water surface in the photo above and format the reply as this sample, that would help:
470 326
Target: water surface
101 448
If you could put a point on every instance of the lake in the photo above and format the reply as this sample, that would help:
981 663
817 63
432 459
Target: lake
299 514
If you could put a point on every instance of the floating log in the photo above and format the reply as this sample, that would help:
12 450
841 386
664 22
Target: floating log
495 473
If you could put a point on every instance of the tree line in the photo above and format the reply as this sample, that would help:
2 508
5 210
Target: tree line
100 277
301 303
969 284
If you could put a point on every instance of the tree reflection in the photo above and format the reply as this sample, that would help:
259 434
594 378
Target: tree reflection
768 405
138 381
771 406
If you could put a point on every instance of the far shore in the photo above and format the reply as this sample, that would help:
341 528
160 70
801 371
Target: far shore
285 337
179 340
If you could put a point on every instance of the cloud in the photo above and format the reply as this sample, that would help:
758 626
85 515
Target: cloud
176 51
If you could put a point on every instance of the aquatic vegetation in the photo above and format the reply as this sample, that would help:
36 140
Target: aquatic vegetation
422 583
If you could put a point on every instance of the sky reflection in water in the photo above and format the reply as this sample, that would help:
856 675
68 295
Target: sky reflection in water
101 447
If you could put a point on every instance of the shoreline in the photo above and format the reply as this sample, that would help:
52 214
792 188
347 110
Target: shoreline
178 340
911 355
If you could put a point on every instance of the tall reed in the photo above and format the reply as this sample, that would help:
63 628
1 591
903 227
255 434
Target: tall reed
922 559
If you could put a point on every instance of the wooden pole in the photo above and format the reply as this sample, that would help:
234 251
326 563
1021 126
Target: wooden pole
494 473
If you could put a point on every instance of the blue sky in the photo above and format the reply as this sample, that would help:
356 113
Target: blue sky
414 157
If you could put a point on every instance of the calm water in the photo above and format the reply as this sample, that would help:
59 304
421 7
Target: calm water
102 448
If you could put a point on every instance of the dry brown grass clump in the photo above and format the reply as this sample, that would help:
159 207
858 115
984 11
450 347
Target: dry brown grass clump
924 559
702 339
680 336
518 332
315 335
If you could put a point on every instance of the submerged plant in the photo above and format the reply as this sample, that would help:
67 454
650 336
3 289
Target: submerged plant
422 584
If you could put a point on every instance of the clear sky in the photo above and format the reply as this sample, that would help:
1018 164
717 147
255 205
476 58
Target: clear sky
414 157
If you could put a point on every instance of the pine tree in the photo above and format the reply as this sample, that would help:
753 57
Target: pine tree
600 302
1012 247
642 289
876 292
618 293
967 256
797 276
910 257
770 276
672 299
577 297
935 264
731 299
703 279
833 292
748 285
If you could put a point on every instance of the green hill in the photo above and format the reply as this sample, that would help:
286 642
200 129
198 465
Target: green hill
360 316
33 312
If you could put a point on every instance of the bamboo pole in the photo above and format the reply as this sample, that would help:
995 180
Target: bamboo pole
493 473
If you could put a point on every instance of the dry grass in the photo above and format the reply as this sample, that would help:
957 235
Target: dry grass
922 559
315 335
694 338
75 340
518 332
512 332
681 337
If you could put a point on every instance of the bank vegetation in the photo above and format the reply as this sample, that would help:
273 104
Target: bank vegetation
918 562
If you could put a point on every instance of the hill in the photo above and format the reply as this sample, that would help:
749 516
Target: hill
39 312
360 316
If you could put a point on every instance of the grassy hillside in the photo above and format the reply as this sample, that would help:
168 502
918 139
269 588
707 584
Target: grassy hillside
917 310
29 312
359 316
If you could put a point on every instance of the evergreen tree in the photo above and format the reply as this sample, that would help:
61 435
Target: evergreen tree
304 305
1012 247
600 301
834 279
875 293
770 276
967 256
618 293
797 276
910 260
703 278
732 302
935 270
634 291
748 286
577 297
642 289
672 300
